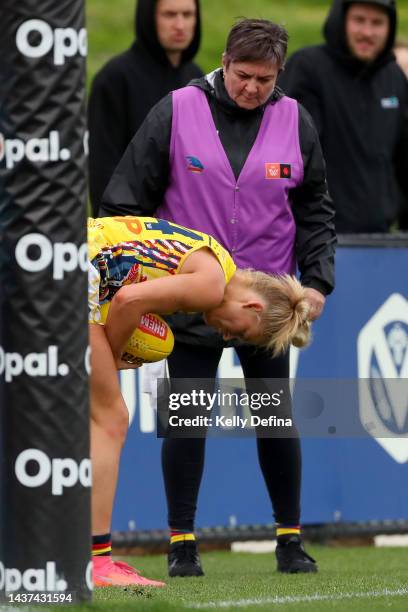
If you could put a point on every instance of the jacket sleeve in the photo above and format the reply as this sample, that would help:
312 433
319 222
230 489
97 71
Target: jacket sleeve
140 179
401 165
107 131
298 80
314 213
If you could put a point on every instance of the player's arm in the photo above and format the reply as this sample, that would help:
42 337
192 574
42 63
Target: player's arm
199 287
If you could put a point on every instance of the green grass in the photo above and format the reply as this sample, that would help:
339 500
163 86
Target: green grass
110 25
233 577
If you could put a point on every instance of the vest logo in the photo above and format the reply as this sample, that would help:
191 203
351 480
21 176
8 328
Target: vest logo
382 348
194 165
278 171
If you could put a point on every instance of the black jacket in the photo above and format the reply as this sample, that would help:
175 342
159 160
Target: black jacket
361 113
124 91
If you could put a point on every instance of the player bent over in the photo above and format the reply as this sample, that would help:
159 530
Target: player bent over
146 265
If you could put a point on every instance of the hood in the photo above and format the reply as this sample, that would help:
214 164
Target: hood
146 34
334 33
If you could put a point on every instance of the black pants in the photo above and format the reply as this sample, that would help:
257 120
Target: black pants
183 459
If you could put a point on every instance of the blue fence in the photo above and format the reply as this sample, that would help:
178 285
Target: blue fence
363 333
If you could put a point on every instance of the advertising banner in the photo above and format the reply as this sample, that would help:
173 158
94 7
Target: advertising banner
350 392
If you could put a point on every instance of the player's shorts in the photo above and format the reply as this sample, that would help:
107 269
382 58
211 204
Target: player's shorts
94 309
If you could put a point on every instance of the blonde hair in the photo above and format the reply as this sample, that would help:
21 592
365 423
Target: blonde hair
285 319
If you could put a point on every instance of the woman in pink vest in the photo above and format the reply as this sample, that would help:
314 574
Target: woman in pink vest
232 156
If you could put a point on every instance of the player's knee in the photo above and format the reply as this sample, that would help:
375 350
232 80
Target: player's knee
119 427
114 422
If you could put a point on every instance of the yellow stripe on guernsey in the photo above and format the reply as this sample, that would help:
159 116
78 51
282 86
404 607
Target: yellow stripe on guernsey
134 249
184 537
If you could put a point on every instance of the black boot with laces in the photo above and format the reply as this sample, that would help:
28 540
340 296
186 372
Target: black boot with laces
184 560
292 557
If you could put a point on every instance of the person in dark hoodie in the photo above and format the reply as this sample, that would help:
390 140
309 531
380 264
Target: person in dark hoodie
232 156
358 98
130 84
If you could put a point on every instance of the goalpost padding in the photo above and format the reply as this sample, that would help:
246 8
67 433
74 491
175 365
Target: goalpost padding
44 358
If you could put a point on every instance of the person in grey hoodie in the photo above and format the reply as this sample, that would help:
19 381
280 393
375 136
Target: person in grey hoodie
130 84
358 98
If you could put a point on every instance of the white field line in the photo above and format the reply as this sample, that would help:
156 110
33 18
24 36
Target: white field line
240 603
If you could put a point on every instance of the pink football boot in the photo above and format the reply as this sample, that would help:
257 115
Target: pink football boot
106 572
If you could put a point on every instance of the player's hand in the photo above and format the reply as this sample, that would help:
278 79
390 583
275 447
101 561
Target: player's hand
316 301
125 365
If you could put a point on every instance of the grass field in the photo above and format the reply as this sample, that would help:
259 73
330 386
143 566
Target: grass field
350 579
110 25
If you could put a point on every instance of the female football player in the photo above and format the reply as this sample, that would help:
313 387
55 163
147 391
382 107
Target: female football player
146 265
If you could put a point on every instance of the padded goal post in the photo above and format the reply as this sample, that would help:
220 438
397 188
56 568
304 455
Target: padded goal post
44 356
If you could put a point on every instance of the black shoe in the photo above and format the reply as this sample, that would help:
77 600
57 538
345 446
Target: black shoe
184 560
292 557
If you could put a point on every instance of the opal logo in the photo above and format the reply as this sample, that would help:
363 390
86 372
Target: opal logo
13 150
383 372
32 364
63 473
32 579
35 252
36 38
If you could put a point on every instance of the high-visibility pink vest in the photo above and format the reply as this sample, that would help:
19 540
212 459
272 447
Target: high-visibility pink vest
252 216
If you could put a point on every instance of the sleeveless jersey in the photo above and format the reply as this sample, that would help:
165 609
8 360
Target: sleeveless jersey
127 250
